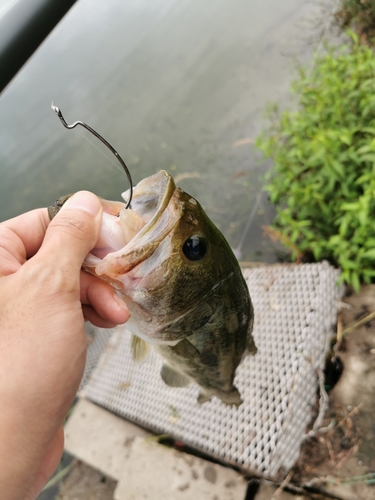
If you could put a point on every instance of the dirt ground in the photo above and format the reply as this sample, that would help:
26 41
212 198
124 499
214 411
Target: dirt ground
341 461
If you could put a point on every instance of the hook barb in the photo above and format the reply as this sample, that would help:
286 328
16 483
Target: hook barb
98 136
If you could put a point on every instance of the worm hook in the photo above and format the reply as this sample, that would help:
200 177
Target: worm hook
84 125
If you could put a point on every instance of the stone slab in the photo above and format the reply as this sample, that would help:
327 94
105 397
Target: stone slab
144 468
160 473
99 438
85 483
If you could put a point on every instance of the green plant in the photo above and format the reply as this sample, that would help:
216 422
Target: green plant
323 179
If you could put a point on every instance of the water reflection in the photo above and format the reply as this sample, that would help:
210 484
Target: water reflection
175 85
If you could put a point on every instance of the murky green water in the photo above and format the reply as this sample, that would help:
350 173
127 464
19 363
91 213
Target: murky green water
172 84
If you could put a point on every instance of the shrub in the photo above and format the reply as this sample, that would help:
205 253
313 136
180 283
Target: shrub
323 179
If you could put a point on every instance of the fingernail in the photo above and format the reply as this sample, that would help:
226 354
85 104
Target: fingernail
120 302
83 200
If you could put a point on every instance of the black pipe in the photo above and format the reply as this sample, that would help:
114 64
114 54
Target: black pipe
22 30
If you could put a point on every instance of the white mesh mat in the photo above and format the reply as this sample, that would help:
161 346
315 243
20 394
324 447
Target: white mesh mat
97 339
295 310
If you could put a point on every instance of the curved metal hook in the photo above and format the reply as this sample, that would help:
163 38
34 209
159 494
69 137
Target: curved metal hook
84 125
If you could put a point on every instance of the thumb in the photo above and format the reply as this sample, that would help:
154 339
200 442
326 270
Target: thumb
73 232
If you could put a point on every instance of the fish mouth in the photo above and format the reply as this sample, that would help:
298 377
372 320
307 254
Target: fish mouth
129 236
150 199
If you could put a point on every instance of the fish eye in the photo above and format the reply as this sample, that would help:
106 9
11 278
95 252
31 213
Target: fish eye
195 248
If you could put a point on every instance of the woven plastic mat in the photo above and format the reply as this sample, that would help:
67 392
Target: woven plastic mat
295 317
97 339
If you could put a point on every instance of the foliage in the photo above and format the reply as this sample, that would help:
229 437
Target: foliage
358 15
323 180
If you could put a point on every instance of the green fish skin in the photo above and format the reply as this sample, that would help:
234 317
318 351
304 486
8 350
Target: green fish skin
182 284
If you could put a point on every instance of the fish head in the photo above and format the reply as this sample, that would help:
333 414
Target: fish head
164 256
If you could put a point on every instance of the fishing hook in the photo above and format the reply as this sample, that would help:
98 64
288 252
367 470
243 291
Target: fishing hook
84 125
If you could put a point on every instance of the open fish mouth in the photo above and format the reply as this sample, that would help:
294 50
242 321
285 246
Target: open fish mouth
129 236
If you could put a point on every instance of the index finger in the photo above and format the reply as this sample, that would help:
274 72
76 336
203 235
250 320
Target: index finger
24 234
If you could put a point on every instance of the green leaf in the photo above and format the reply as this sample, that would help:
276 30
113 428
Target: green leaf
368 130
369 254
368 157
355 282
346 138
350 206
368 272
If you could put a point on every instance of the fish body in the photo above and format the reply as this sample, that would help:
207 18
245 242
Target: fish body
181 283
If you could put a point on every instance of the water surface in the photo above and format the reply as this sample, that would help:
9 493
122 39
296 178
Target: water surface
171 84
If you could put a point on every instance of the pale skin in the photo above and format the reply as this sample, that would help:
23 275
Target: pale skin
45 298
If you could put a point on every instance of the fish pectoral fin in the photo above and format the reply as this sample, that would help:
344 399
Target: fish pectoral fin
231 397
251 347
250 344
140 348
203 397
185 349
173 378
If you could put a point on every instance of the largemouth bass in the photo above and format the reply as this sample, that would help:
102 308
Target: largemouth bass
181 283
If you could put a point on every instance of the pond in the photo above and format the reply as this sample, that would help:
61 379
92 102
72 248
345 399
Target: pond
171 84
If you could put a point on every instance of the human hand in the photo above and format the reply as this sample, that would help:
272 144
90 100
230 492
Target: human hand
44 299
